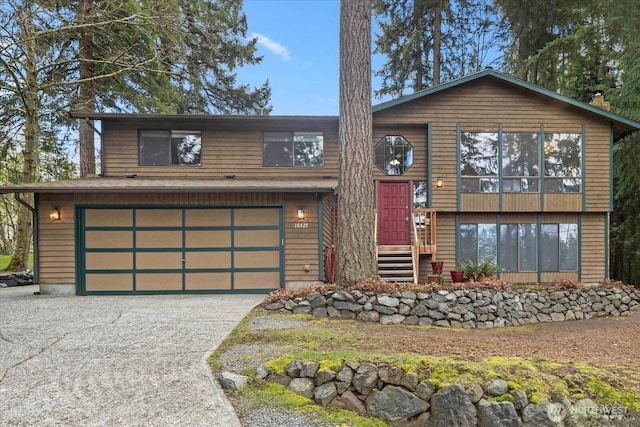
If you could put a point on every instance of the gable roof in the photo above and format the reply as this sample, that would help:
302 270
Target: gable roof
622 126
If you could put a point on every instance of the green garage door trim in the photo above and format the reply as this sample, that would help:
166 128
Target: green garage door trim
81 249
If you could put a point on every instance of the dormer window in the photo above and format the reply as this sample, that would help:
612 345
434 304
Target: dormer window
168 148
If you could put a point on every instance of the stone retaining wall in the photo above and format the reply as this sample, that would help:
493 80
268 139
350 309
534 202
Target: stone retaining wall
401 399
466 308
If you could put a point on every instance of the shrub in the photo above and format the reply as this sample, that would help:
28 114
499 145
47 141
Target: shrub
476 272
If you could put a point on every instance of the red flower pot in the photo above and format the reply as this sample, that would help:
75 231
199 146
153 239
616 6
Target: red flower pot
437 266
457 276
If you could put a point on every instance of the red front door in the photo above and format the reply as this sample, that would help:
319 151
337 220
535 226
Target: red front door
394 213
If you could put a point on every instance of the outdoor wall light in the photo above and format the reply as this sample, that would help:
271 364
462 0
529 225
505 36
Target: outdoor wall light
55 214
301 214
439 183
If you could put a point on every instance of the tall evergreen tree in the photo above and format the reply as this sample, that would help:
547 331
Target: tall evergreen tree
426 41
355 256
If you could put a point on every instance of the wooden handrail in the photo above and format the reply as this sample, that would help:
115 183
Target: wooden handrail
424 221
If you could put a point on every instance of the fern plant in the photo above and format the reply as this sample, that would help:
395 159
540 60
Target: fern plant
478 271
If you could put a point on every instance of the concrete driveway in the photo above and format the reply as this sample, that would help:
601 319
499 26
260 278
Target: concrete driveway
113 360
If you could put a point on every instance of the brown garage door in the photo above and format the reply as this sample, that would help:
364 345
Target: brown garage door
186 249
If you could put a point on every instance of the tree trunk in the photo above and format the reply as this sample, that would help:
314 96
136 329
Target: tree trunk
355 252
87 101
437 36
31 137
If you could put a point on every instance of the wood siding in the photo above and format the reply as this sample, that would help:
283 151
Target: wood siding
301 244
56 240
236 151
485 105
593 248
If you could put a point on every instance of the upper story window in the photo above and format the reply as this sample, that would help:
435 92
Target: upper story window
293 149
524 163
562 163
479 162
394 154
166 148
520 162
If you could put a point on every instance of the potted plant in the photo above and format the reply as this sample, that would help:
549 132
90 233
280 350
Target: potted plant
457 275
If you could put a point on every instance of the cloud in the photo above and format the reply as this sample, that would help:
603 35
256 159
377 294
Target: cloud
272 46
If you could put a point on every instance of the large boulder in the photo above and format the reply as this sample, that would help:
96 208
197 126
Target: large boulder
545 414
302 386
324 394
497 414
231 381
365 378
451 407
394 403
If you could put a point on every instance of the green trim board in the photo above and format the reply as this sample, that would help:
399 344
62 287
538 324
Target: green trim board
541 166
184 249
611 167
458 161
579 247
320 238
607 224
500 180
429 167
583 169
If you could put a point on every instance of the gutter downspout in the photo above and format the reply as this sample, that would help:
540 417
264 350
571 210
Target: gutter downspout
34 221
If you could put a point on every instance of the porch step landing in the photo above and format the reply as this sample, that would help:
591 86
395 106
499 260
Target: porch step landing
395 264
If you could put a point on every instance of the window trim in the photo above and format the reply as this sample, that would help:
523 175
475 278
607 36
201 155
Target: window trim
406 149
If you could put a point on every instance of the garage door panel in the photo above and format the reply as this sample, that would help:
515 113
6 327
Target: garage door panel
159 239
256 259
256 280
158 260
108 260
108 239
208 281
256 238
180 249
208 238
256 217
109 282
159 281
208 260
158 217
108 217
207 217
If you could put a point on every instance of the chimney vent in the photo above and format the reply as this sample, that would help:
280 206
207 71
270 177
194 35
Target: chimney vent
598 100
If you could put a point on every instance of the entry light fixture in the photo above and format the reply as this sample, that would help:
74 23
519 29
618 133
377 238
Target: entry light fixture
301 214
439 183
55 214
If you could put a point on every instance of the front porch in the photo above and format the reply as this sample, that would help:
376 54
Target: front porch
400 261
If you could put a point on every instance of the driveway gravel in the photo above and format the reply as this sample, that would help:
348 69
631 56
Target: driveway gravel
114 360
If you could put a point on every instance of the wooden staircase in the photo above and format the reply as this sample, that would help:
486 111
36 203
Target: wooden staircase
397 263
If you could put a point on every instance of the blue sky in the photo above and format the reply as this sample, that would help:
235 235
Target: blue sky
299 43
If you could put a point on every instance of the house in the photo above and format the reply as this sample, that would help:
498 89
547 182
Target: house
483 167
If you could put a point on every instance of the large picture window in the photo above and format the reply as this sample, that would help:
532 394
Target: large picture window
479 162
557 245
563 163
166 148
520 162
518 247
305 149
519 154
478 242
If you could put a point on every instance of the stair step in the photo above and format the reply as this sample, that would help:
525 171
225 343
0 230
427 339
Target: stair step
395 265
397 272
398 279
